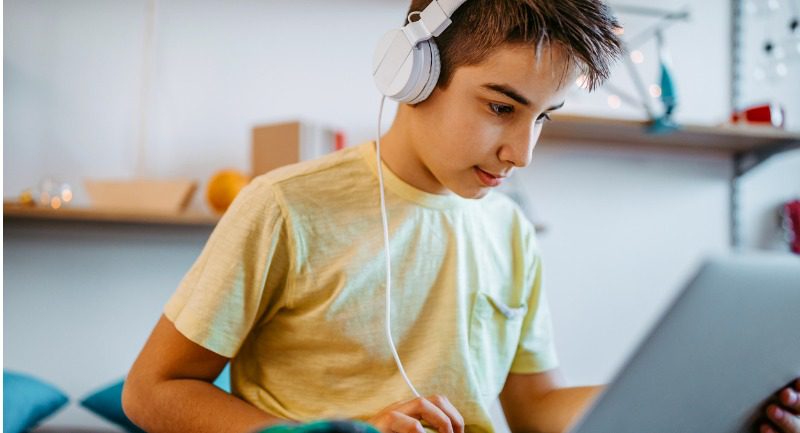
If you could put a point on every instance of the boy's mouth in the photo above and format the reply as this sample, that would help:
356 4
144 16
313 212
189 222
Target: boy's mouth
487 178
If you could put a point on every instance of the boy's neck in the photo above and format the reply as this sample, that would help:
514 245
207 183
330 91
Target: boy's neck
399 153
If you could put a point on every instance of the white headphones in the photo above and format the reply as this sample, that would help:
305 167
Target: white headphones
406 68
406 63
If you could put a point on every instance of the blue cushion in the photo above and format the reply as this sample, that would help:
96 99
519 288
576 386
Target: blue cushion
27 401
107 401
323 426
223 381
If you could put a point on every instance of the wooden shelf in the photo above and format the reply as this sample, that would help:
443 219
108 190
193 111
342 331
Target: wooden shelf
730 138
16 211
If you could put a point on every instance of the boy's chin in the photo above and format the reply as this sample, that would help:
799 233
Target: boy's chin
466 189
476 193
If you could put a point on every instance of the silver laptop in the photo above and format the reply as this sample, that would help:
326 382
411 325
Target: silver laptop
729 341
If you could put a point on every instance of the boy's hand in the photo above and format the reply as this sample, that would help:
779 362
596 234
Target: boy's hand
785 416
405 416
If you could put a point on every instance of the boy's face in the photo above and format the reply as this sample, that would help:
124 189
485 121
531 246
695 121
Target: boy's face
471 135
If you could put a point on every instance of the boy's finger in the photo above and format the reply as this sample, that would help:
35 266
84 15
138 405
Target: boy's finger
444 404
435 416
790 399
788 422
401 423
421 408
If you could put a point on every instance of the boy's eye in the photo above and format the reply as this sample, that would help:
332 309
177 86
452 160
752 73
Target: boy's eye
544 117
501 109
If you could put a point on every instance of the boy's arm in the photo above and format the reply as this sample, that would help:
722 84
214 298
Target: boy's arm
170 389
539 403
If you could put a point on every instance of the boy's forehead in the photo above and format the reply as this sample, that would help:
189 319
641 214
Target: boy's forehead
530 71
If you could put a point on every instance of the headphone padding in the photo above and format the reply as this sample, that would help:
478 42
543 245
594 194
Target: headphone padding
433 76
422 55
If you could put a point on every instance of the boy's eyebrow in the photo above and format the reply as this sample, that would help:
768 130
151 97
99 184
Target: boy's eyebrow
508 91
513 94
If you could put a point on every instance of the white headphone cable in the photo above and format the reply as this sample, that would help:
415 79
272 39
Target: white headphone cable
388 258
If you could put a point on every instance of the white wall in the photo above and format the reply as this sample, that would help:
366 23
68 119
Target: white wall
626 227
80 300
73 80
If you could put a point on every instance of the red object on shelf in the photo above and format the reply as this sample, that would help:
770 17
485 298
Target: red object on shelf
792 214
764 114
341 141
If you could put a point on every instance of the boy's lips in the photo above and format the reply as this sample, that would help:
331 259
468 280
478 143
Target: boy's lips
487 178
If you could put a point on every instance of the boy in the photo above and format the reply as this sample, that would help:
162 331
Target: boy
290 286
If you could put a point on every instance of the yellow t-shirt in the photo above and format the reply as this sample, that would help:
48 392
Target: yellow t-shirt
291 286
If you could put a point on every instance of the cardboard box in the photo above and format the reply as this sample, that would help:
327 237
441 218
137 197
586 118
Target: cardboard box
141 195
287 143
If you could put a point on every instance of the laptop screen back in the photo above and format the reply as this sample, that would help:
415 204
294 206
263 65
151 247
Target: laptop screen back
729 341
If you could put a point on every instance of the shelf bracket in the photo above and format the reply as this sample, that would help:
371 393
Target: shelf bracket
745 161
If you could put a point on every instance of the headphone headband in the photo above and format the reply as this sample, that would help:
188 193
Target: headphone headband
449 6
406 63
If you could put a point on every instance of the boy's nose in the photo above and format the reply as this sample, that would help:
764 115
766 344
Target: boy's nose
518 149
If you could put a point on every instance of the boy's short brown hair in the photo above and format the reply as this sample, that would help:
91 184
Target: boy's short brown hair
584 28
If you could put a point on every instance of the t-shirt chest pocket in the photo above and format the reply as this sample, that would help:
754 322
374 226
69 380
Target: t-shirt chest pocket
494 332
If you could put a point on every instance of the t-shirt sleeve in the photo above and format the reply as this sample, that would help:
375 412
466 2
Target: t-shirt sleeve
536 350
239 275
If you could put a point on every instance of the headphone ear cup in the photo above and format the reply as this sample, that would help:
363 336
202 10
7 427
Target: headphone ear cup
433 75
399 69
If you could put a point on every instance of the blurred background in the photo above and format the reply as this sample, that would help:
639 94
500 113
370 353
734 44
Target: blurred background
171 90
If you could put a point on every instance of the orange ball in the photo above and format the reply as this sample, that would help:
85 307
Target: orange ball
223 187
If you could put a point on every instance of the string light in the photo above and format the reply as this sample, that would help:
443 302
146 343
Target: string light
762 7
655 90
637 56
66 194
614 101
